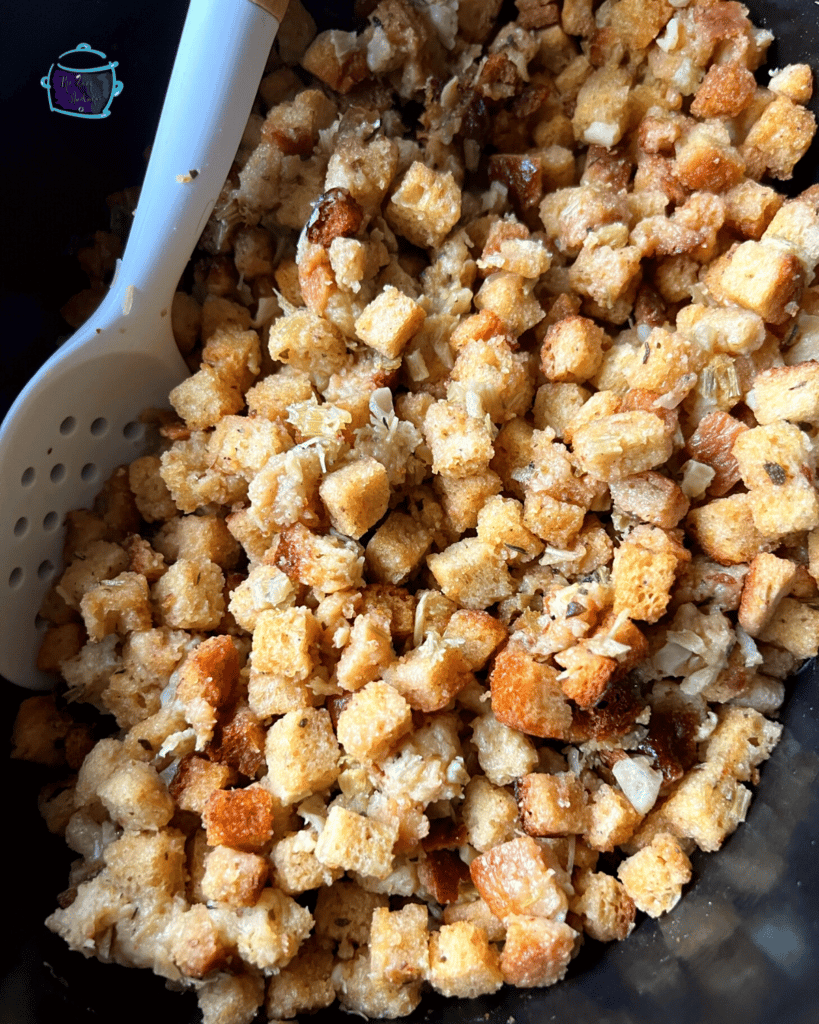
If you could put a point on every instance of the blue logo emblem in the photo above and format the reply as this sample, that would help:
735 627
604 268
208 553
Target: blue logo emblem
82 83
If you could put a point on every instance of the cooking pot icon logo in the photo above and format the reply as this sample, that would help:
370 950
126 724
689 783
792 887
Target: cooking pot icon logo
82 83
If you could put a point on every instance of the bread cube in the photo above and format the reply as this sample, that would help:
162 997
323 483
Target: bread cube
356 495
552 805
153 499
707 805
504 753
101 560
430 675
357 843
768 580
643 573
295 866
389 321
572 350
553 521
489 369
322 561
742 740
654 876
725 530
750 207
302 754
137 861
373 721
712 444
268 934
518 876
621 444
198 947
652 498
612 819
726 91
136 797
205 397
511 298
586 675
759 277
778 139
425 206
302 986
556 405
230 996
397 548
787 393
601 112
242 818
362 993
489 812
604 906
537 951
477 635
461 444
461 961
195 779
367 652
527 695
271 397
472 573
344 916
234 877
210 672
190 595
463 498
794 626
120 605
399 943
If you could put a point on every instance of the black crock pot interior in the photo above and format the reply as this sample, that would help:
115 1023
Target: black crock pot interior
744 943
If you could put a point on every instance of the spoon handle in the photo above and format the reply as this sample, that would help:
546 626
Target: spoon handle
218 66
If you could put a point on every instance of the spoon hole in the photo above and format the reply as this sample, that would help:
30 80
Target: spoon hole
88 472
57 474
51 521
16 577
21 527
27 479
45 569
133 431
99 426
68 426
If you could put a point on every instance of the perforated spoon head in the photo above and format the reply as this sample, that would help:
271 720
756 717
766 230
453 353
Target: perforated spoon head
79 417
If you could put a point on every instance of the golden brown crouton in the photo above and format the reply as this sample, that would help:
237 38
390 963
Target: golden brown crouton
399 943
519 876
242 818
373 721
654 876
537 951
768 581
462 963
552 805
305 743
526 694
606 909
234 877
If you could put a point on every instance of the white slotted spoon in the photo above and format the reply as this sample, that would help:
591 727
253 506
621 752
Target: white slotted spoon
77 419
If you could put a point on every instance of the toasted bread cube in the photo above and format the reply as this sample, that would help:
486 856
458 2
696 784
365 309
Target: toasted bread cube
425 206
477 912
725 530
726 91
586 675
205 397
198 538
153 499
527 695
399 943
461 444
503 753
777 453
606 909
234 877
295 866
389 321
750 207
325 562
137 861
461 961
356 495
368 651
489 370
707 805
283 641
397 548
742 740
210 672
266 588
519 876
198 946
643 576
622 444
537 951
511 298
120 605
712 444
477 634
557 404
552 805
490 814
652 498
778 139
572 350
760 277
137 798
242 818
472 573
268 934
195 779
344 916
373 721
98 906
226 996
767 582
463 498
601 113
554 521
794 626
190 595
706 160
361 992
787 393
101 560
654 876
302 986
234 355
430 675
302 754
357 843
612 819
271 397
